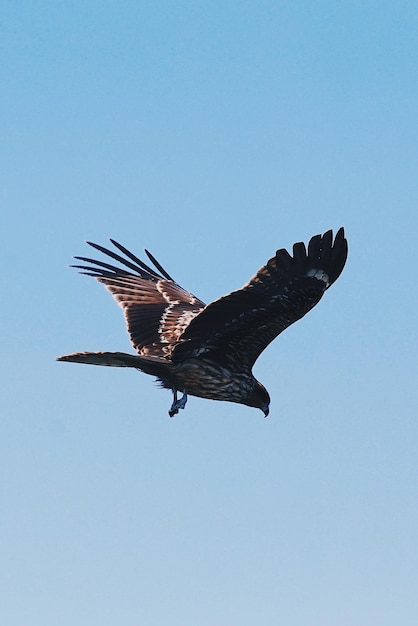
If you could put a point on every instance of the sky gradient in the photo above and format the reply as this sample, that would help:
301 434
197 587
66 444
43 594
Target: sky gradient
211 133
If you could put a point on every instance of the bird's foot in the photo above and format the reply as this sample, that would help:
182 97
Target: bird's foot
177 404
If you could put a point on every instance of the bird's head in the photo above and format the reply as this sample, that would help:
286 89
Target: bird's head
259 398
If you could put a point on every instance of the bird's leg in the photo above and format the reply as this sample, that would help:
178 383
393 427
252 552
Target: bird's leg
182 402
173 410
177 404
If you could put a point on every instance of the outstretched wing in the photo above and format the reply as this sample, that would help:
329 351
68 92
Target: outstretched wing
156 308
235 329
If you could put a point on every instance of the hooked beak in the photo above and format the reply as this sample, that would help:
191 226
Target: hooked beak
266 409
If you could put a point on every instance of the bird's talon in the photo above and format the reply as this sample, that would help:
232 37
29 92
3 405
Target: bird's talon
177 404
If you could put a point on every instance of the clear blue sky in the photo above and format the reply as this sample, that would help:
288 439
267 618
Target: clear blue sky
211 133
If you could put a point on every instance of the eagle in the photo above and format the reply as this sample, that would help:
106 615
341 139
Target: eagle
209 350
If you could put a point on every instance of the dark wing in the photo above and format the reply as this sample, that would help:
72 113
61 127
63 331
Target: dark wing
235 329
156 309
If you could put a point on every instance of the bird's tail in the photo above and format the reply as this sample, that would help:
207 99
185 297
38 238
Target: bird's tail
113 359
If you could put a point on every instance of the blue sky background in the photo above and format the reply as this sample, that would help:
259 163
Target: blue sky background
211 133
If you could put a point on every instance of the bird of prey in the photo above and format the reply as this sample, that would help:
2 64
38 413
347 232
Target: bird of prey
209 350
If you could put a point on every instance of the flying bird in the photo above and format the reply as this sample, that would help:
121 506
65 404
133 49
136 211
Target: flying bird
209 350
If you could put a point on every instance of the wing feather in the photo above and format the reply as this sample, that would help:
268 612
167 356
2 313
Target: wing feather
156 308
165 320
235 329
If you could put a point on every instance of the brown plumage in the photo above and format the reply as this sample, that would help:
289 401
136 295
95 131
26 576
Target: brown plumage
209 350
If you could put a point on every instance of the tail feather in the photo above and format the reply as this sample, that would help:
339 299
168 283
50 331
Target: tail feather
113 359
